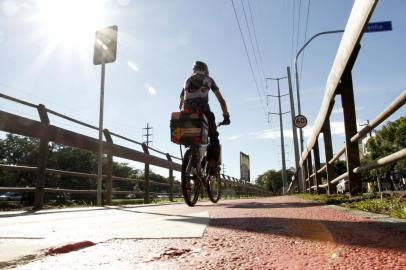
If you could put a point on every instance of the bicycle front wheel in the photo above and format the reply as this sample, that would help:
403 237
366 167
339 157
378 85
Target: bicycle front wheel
214 187
189 182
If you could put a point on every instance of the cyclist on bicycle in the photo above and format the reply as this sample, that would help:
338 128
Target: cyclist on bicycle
195 98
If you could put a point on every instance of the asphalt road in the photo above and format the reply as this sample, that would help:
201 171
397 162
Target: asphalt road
269 233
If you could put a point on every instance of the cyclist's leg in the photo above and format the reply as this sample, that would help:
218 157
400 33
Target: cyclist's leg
214 138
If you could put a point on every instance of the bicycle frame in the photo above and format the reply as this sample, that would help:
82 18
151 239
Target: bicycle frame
197 163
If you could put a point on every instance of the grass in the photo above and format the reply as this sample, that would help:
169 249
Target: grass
394 206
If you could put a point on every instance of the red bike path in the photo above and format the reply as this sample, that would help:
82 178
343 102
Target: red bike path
267 233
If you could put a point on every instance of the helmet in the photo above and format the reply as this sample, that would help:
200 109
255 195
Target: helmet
201 66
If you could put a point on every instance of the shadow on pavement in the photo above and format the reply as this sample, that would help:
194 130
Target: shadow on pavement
255 205
73 210
364 234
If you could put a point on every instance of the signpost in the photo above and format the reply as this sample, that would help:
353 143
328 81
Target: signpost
300 121
105 51
378 26
245 167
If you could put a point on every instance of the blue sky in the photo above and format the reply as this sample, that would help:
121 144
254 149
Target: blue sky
159 40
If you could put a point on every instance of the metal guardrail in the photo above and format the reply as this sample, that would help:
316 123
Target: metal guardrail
339 82
46 133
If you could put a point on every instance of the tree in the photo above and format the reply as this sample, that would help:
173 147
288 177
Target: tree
272 180
390 139
18 150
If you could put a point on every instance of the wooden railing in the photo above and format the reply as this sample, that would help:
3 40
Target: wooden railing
339 82
46 133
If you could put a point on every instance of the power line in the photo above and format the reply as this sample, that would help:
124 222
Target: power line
252 46
256 40
249 60
298 25
307 23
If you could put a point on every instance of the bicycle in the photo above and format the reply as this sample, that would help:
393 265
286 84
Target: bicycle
197 173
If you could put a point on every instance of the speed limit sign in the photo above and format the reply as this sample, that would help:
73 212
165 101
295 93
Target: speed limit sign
300 121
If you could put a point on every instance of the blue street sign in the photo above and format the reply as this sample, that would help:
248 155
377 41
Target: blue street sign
378 27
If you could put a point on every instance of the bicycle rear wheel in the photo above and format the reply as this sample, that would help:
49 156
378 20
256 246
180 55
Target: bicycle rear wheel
189 182
214 187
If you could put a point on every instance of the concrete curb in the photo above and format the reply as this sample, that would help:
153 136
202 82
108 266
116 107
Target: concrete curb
398 223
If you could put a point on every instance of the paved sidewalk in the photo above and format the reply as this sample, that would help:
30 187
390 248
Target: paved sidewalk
270 233
30 233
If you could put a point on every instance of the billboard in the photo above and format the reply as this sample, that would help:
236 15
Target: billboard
244 167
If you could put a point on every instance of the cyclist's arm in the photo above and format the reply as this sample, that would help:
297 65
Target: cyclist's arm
182 95
222 103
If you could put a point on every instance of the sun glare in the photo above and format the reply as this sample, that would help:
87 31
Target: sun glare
72 23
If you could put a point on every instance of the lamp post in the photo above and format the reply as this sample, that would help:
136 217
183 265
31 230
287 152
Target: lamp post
297 75
105 50
299 111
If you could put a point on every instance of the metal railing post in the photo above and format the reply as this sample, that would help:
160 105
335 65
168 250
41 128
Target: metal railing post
317 176
42 158
146 175
109 170
168 156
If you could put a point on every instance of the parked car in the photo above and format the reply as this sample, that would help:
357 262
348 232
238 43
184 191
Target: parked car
343 186
11 196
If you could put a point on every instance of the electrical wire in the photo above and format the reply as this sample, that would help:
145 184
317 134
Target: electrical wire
252 46
298 25
248 57
256 40
305 37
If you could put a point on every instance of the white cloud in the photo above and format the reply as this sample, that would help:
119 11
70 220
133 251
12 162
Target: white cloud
234 137
133 66
123 2
340 110
11 8
151 89
337 128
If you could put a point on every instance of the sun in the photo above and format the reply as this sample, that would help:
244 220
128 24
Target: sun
71 23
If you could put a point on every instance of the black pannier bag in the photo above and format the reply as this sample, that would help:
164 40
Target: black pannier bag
189 128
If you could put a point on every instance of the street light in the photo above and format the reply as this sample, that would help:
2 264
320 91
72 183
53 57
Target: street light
105 51
299 111
297 75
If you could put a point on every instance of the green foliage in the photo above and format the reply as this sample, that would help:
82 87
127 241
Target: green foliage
392 206
340 167
391 138
395 207
272 180
323 198
18 150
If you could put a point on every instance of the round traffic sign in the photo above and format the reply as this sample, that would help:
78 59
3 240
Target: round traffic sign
300 121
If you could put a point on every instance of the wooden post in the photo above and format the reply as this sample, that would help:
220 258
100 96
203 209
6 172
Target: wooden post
168 156
328 149
306 175
310 170
109 172
350 125
317 176
42 158
146 175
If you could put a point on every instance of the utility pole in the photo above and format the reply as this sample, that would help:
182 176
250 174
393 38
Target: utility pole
147 135
294 131
224 169
284 179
